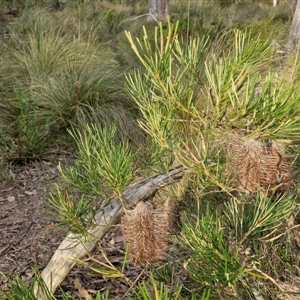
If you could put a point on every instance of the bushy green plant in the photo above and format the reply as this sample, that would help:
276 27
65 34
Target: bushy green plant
189 96
20 291
104 167
54 81
192 99
260 217
212 262
223 245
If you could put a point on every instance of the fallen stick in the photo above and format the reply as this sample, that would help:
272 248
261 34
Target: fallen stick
72 247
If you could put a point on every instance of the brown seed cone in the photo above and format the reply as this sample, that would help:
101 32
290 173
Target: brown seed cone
258 165
172 215
146 233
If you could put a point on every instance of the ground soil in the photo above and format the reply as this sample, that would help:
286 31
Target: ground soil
27 240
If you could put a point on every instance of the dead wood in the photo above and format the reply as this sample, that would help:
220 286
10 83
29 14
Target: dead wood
71 248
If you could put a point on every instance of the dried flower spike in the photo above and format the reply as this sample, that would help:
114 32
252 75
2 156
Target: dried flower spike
258 165
146 233
172 214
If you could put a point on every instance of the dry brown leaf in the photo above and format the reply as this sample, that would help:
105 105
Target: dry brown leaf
82 291
30 193
292 291
297 237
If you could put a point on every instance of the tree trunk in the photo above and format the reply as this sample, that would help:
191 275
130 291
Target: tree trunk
73 247
159 10
293 3
295 28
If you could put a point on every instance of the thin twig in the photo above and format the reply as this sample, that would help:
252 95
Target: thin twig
272 280
140 16
134 283
24 234
257 294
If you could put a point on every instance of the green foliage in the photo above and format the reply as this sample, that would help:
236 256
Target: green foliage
235 241
160 292
194 85
103 169
54 81
83 94
72 214
30 134
212 262
170 87
17 6
260 219
20 291
259 113
192 97
113 20
103 166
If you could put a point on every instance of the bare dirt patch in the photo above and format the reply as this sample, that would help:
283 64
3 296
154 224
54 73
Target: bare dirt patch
25 240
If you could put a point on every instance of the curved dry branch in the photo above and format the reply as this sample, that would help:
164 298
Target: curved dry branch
71 248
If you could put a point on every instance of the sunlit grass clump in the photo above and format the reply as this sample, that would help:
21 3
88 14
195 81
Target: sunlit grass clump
54 80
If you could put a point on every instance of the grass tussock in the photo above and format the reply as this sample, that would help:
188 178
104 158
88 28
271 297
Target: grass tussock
54 80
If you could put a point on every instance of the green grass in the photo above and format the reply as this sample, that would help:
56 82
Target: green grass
53 80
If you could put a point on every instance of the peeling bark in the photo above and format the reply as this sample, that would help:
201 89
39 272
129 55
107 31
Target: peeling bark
159 10
295 28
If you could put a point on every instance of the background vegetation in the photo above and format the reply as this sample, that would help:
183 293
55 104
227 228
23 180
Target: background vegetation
136 103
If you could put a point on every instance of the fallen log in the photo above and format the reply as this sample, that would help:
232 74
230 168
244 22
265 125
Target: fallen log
72 247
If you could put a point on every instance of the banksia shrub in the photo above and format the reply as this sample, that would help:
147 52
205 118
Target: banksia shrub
258 165
145 231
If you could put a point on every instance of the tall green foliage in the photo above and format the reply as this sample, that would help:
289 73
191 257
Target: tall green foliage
193 98
53 81
104 166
